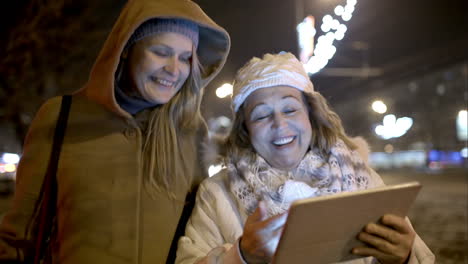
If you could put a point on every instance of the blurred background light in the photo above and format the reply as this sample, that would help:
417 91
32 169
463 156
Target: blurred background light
11 158
342 28
213 169
388 148
393 127
339 35
347 16
389 121
327 19
349 9
335 24
224 121
224 90
339 10
462 125
306 33
404 123
325 27
379 107
10 167
464 153
325 50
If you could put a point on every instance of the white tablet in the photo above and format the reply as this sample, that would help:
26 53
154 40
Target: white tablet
324 229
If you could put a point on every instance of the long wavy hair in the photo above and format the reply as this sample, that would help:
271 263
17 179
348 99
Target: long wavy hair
326 130
165 167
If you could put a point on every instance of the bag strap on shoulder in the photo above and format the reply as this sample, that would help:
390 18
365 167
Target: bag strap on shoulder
48 203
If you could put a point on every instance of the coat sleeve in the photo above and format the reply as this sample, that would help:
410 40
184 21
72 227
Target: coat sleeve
420 253
212 231
15 230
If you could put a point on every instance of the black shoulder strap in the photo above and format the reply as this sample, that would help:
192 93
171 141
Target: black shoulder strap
49 187
180 230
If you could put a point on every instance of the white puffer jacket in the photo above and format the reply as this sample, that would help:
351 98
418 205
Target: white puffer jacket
213 231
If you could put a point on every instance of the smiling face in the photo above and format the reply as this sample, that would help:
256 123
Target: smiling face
278 124
159 65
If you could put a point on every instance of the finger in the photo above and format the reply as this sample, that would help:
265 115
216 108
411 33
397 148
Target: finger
383 257
398 223
274 241
368 251
269 228
275 222
260 242
377 242
384 232
263 210
258 215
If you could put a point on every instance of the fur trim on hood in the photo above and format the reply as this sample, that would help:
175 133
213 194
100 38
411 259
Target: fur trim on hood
213 150
363 148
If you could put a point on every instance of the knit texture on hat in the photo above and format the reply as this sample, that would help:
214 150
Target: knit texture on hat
272 70
160 25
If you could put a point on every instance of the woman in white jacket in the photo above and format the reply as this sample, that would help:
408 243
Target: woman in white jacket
285 144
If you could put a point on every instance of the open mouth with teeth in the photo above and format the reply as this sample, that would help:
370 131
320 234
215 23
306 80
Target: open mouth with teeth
283 141
162 82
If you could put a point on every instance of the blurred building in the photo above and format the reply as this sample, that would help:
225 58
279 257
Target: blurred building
433 99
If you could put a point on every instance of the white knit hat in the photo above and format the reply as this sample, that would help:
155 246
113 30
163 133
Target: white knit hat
273 70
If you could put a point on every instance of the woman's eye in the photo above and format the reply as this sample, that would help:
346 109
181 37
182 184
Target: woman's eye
290 111
161 53
261 117
185 59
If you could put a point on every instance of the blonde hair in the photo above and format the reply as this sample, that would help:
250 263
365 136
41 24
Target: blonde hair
165 165
326 130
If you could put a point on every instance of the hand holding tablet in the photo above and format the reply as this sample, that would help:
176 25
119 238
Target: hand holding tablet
390 240
325 229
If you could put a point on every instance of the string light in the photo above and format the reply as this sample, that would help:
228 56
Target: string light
325 49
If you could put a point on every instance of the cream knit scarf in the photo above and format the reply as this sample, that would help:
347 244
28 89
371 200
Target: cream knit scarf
344 170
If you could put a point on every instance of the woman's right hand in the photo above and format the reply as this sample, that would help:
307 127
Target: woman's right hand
261 235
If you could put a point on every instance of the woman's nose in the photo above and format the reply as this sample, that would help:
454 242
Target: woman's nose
172 65
279 121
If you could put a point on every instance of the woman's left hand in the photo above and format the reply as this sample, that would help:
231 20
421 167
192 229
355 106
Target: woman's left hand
390 241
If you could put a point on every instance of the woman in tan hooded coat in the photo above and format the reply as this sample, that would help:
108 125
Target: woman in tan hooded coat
129 156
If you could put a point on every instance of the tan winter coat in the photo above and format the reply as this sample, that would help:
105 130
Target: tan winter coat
104 214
